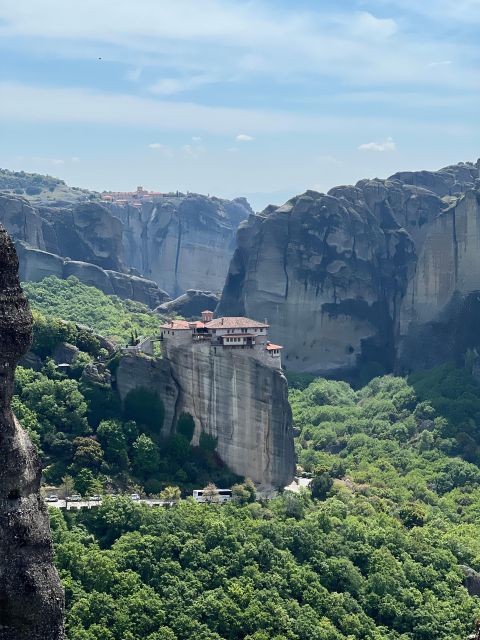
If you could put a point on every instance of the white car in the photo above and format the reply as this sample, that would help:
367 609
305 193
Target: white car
134 496
52 497
75 498
95 498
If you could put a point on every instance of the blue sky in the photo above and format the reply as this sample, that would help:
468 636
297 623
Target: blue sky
259 98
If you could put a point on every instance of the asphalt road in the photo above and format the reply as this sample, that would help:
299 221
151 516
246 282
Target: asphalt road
88 504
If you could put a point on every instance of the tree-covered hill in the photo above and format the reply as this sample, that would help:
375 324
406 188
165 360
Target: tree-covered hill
374 551
72 300
39 187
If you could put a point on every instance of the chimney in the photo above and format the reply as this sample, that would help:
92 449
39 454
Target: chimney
207 316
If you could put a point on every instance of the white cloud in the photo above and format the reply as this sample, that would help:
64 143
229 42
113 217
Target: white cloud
386 145
196 139
226 41
156 145
442 63
243 137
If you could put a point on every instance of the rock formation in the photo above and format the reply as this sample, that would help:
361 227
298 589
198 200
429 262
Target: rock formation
378 276
174 243
31 599
182 242
190 304
231 397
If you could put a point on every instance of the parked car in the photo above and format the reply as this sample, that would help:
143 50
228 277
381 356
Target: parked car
134 496
74 498
95 498
52 497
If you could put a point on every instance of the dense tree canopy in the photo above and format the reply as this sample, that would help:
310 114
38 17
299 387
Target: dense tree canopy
72 300
373 552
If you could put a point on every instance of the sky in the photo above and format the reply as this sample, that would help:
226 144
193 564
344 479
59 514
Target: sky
255 98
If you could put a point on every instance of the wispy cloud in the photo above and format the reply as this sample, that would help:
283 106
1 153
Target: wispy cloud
244 137
23 103
386 145
170 86
441 63
223 41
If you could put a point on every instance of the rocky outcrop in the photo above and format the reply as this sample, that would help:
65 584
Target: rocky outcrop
174 243
190 304
182 242
31 599
232 397
381 275
36 265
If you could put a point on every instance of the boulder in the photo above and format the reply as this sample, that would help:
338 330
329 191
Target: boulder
190 304
65 353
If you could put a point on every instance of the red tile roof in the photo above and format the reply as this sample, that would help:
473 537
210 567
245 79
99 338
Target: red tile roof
176 324
272 347
235 323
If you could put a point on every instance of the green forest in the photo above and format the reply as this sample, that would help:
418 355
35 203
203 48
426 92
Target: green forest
376 548
74 301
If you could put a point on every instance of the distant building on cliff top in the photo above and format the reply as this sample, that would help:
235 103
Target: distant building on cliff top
225 333
123 197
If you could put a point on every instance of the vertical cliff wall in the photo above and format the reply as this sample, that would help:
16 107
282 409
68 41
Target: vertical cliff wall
31 599
374 277
182 242
232 397
178 242
440 312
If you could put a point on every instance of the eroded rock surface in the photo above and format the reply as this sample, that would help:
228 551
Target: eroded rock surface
136 251
190 304
183 242
31 599
384 274
232 397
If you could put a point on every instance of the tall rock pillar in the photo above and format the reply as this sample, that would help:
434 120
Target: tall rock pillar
31 598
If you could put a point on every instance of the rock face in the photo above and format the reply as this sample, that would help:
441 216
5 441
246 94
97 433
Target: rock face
36 265
384 274
190 304
232 397
134 251
31 599
182 242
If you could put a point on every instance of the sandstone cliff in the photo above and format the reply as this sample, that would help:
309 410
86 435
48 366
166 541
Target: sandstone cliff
190 304
232 397
379 274
31 599
87 234
182 242
174 243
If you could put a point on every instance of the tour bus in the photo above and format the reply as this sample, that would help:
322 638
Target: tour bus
223 495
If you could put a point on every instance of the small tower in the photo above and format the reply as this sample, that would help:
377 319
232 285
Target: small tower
207 316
